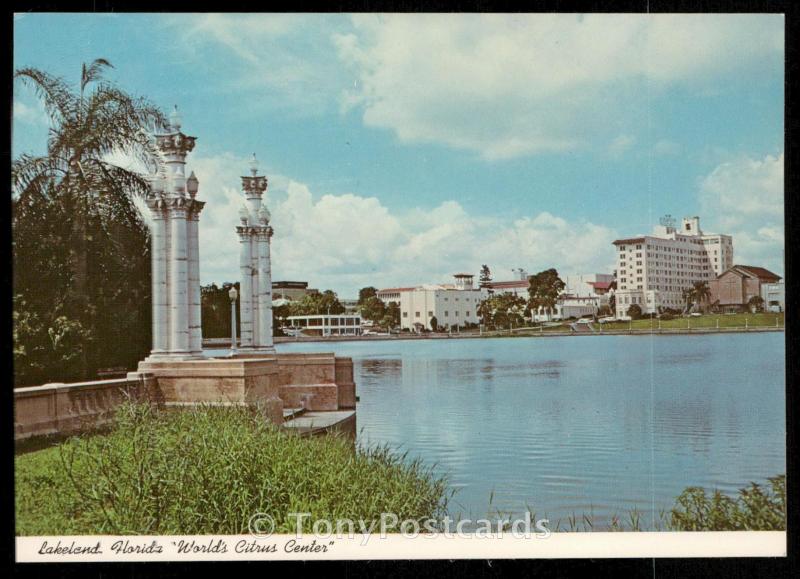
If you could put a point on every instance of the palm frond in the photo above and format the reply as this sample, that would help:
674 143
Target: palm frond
94 71
59 101
31 171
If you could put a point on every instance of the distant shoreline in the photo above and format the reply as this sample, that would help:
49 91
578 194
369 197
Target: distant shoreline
525 333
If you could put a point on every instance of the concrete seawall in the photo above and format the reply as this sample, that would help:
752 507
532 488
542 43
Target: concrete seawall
222 343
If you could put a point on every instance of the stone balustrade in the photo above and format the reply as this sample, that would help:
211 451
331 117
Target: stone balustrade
68 408
313 382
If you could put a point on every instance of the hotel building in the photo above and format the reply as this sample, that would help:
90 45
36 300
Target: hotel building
653 270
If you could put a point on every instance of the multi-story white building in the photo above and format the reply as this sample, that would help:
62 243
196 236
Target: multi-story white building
653 270
453 305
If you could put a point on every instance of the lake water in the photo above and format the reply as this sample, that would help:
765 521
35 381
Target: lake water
563 425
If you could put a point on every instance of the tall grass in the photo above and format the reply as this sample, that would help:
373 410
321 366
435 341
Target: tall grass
207 470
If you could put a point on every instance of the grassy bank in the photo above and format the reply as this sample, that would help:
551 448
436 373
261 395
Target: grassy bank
756 507
208 471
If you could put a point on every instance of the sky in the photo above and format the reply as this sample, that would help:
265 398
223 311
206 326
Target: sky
403 148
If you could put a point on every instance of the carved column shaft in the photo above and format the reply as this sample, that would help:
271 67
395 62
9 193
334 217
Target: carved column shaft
179 283
265 289
160 297
255 285
246 289
192 232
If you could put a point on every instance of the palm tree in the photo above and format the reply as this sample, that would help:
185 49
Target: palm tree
701 292
78 181
86 129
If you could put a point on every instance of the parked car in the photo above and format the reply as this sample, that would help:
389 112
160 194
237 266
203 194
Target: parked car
695 314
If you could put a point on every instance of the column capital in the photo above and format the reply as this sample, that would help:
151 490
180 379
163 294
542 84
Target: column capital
245 232
157 206
264 233
194 207
177 206
254 186
175 143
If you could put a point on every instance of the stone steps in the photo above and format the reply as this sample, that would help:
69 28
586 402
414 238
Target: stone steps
290 413
322 422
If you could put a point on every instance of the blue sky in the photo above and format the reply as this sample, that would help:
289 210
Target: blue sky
403 148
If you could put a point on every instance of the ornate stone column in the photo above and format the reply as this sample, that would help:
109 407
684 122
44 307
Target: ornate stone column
251 304
193 262
245 281
158 255
255 285
179 280
175 251
264 234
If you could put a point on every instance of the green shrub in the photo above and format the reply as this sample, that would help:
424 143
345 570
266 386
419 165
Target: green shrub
757 508
208 470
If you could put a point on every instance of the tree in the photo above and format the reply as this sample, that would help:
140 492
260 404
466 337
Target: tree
544 290
317 304
372 309
696 295
365 293
486 275
635 311
215 305
391 316
502 310
434 323
612 303
756 304
701 292
80 246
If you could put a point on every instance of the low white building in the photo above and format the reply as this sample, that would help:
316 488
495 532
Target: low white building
774 296
326 325
568 307
453 305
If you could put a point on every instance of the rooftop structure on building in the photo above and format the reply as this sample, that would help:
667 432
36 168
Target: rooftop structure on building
291 290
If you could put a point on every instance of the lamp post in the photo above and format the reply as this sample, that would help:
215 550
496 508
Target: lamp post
233 294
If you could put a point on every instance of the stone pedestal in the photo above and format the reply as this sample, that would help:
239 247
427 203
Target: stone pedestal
229 381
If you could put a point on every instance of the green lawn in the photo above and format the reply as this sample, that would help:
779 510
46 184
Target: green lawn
705 321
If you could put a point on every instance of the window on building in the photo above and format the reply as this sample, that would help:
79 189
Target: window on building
416 314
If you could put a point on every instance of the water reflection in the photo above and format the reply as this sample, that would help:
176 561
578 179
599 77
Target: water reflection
565 425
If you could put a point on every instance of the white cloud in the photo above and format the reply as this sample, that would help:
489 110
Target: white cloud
666 148
345 242
745 198
620 145
512 85
31 114
283 61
